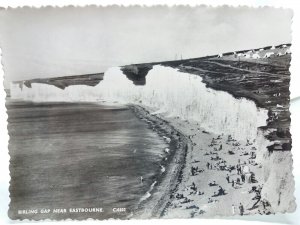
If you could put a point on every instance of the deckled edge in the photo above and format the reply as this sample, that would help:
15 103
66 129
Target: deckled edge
142 6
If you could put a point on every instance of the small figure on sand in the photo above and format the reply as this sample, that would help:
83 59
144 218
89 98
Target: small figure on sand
243 177
227 178
239 169
252 178
220 192
241 208
193 171
193 187
233 209
212 184
257 197
208 165
179 196
142 179
248 143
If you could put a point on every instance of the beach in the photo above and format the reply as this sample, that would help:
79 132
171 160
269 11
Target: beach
187 194
160 196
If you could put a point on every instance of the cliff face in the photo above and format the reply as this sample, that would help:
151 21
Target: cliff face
264 81
261 75
185 95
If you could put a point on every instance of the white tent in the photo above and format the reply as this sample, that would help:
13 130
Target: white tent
246 169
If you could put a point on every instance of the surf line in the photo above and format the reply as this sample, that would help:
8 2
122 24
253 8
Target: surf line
171 166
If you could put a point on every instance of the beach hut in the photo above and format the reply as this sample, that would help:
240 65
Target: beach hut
246 169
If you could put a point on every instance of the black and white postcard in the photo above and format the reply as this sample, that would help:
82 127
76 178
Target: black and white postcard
148 112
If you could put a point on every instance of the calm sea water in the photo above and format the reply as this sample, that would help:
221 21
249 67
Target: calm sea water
70 155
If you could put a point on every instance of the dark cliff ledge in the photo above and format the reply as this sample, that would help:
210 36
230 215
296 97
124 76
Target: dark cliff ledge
137 73
66 81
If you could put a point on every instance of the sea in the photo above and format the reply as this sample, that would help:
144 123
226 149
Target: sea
79 156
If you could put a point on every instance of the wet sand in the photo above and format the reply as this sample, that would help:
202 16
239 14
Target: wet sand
159 197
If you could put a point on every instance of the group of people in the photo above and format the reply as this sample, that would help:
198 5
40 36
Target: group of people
248 177
196 170
238 174
240 207
221 191
194 189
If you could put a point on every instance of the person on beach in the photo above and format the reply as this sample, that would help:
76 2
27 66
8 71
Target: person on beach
232 183
227 178
192 171
243 177
179 196
193 187
264 204
207 165
252 178
241 208
221 191
142 179
212 184
239 169
233 209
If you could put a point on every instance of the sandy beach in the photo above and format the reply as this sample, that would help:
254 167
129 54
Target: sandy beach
204 179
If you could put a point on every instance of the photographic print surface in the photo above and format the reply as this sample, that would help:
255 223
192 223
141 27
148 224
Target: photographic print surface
148 112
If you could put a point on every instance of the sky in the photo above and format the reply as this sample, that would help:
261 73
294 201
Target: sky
52 42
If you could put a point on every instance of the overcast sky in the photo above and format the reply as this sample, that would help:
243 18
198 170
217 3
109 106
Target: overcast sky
52 42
